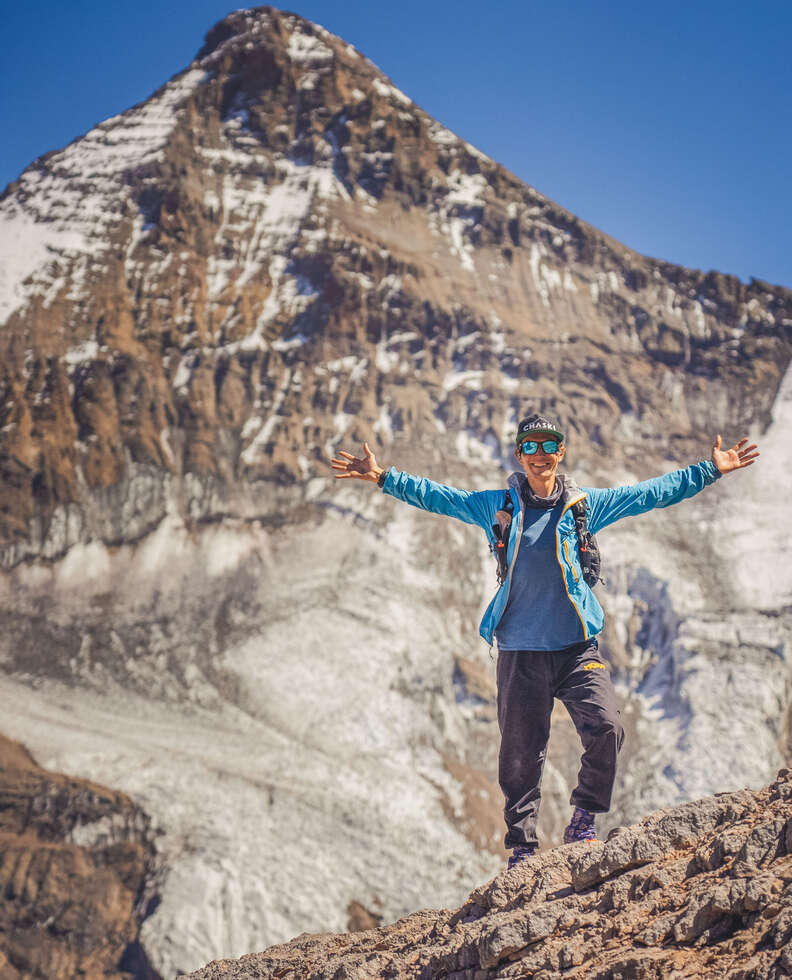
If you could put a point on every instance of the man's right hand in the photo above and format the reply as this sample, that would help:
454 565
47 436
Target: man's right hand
355 468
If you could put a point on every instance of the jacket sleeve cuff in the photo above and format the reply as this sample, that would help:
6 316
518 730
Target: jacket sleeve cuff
390 479
711 471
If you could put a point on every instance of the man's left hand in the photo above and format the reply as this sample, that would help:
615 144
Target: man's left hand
735 458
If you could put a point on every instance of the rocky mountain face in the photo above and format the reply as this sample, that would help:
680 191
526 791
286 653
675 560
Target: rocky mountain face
702 890
77 876
275 256
279 250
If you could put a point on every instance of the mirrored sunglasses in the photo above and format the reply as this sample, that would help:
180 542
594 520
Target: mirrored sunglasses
530 447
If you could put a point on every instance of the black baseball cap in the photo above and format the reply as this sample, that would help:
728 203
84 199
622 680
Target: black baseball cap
538 425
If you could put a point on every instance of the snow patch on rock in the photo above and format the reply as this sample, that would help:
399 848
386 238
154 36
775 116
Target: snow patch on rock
72 202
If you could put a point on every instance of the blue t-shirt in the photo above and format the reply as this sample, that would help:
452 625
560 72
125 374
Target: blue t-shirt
539 614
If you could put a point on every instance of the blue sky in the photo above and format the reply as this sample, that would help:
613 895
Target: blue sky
668 126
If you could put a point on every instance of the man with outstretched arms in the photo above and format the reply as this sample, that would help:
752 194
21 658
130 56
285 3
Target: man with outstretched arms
545 616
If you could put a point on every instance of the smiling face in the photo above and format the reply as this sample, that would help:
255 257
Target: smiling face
541 467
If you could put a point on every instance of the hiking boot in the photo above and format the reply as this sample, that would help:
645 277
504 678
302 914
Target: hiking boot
581 827
521 853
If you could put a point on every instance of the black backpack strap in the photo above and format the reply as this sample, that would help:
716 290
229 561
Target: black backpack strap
581 526
588 549
501 534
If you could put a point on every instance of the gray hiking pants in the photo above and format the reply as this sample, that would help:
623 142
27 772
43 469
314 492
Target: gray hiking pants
528 682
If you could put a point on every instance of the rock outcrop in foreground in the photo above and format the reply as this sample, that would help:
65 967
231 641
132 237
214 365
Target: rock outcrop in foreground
701 890
77 876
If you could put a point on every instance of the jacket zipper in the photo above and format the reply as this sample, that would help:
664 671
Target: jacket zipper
507 580
572 567
563 576
516 548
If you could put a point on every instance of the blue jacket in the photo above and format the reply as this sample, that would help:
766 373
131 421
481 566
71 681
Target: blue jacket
603 507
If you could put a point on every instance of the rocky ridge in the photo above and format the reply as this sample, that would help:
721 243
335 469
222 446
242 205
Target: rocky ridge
77 876
703 890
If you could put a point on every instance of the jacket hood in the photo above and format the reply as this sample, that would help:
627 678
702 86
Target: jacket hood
570 491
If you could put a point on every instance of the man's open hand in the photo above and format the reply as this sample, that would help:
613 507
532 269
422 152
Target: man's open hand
356 468
735 458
